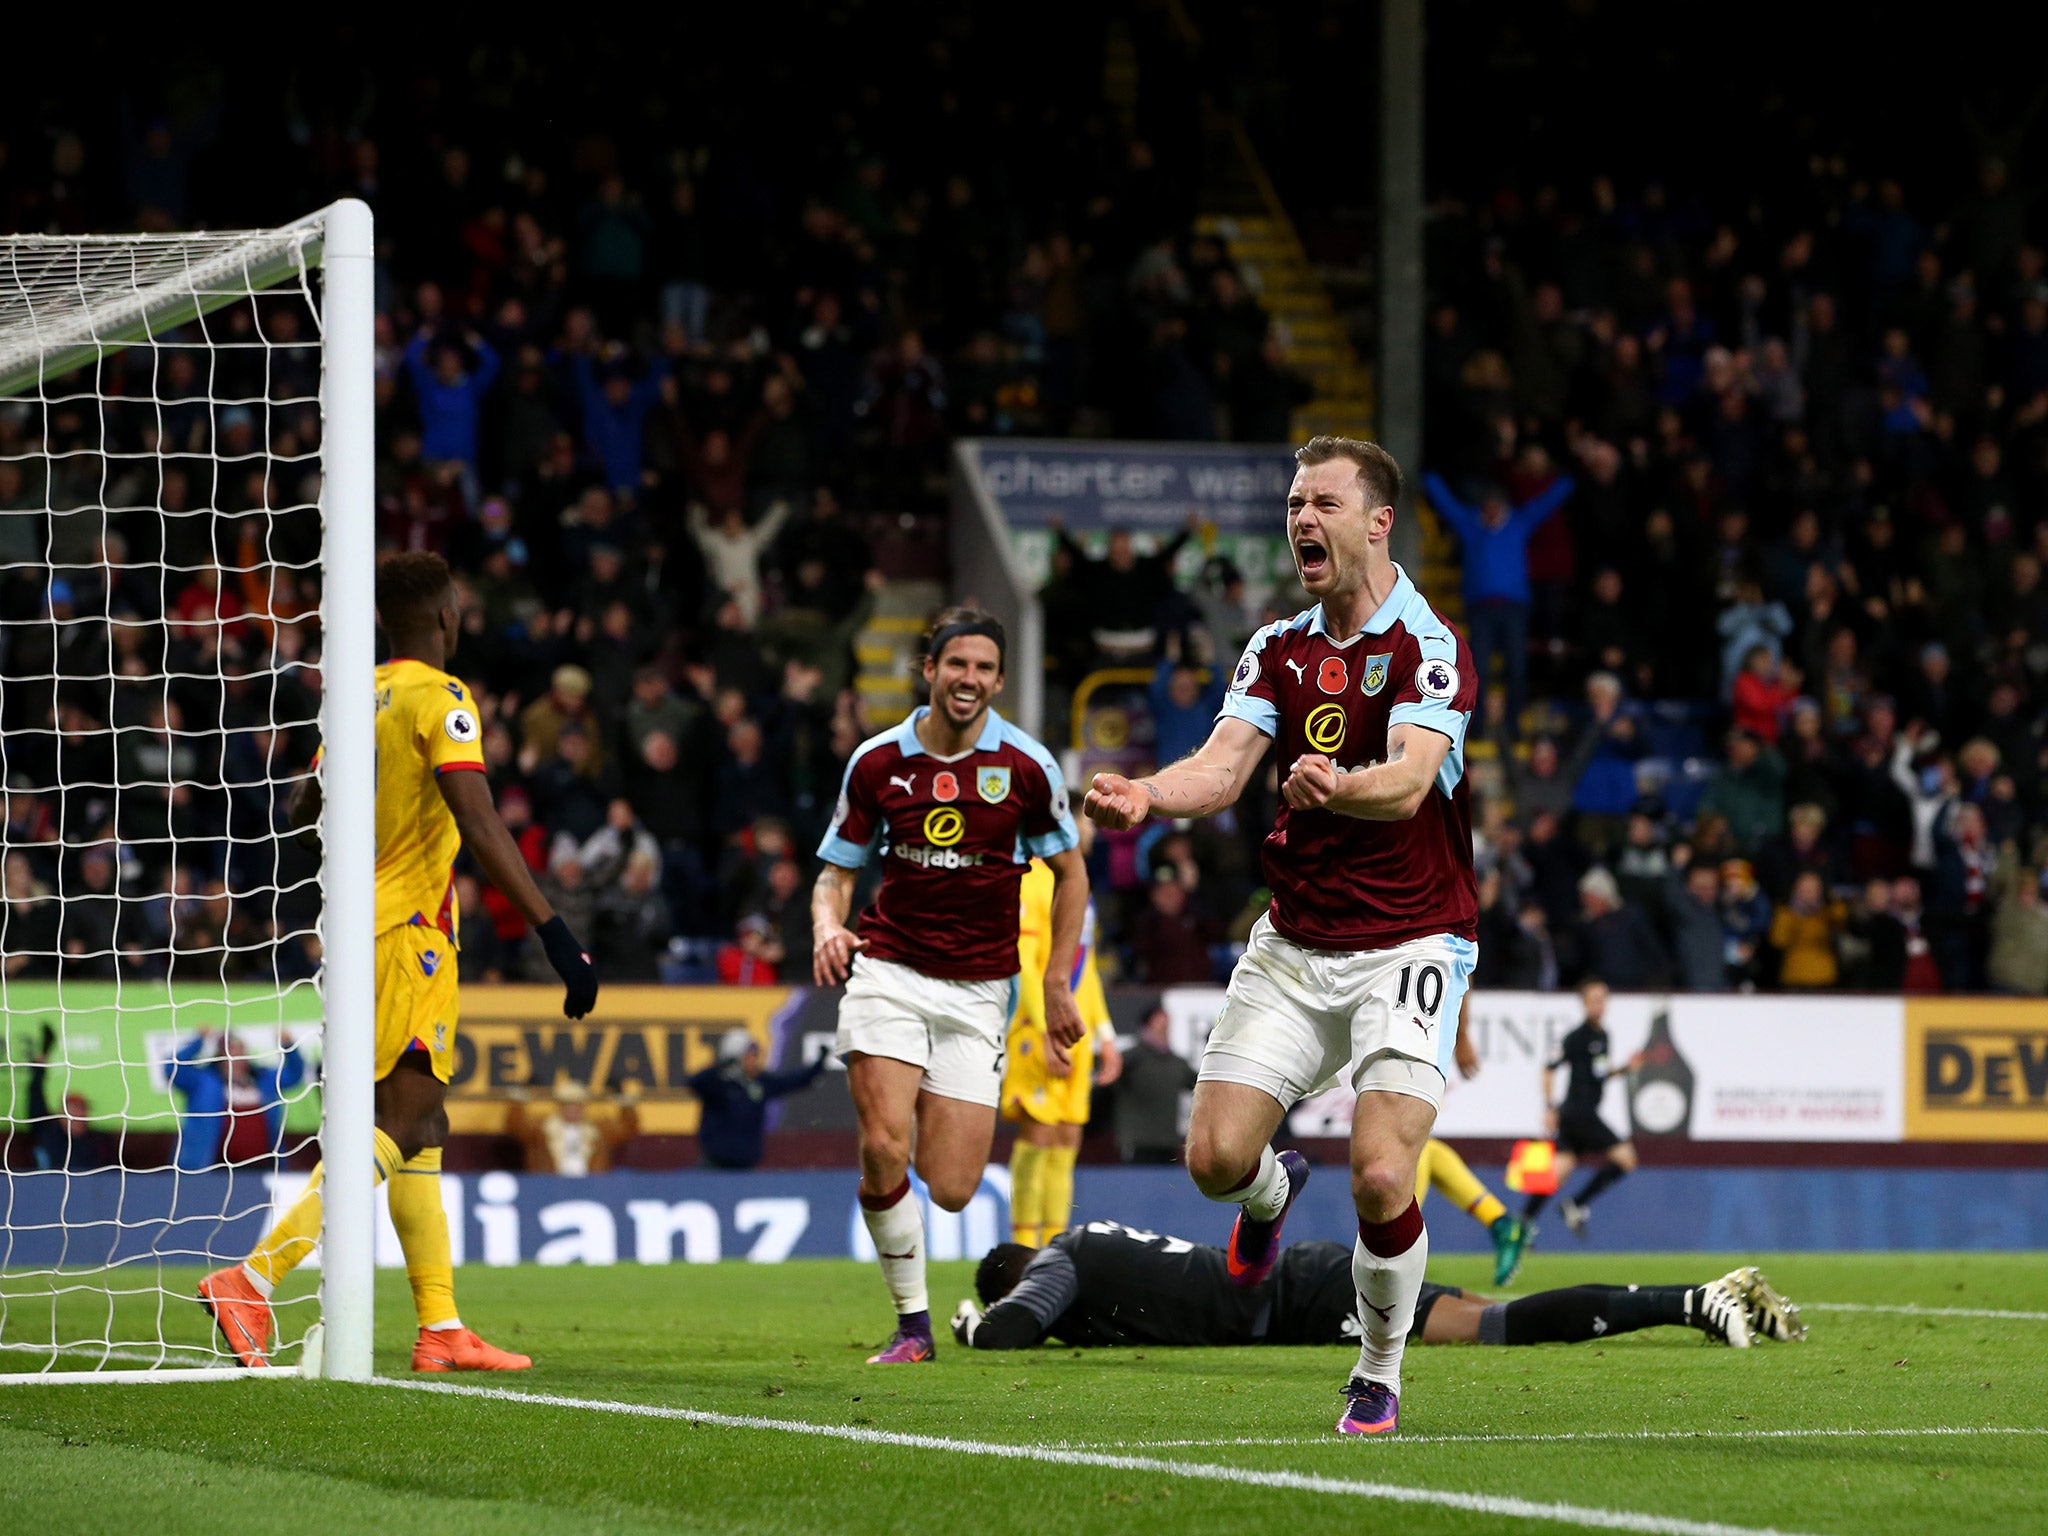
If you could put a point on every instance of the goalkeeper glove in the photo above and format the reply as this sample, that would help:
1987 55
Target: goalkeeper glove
572 963
966 1319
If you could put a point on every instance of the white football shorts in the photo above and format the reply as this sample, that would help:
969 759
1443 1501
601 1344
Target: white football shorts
1296 1020
955 1030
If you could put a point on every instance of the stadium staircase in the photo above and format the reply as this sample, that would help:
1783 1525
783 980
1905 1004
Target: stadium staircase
888 650
1242 208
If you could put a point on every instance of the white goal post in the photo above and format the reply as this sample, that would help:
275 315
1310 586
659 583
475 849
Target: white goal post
187 525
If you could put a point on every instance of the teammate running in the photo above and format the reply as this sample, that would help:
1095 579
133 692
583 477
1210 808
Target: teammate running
954 801
1361 964
432 801
1110 1285
1046 1086
1575 1120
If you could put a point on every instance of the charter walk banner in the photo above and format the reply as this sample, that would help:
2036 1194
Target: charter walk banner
1236 494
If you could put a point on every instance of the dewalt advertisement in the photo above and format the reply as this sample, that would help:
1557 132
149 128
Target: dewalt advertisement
644 1043
1976 1069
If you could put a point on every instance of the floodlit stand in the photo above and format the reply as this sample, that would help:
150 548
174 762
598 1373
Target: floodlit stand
67 304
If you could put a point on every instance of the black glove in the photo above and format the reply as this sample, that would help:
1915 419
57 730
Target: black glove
572 963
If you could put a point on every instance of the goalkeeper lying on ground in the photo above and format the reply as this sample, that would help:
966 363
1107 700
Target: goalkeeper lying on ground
1106 1284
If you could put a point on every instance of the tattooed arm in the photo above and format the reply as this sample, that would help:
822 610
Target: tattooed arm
1205 781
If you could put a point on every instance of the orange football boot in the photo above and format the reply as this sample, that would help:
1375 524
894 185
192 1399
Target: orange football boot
241 1313
457 1349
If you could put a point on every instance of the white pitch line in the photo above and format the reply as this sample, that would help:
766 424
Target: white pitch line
1913 1309
1580 1435
1498 1505
170 1355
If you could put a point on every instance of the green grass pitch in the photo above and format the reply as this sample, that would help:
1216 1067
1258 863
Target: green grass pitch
1653 1432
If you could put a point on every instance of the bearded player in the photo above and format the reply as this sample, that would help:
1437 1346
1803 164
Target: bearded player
432 801
954 802
1359 967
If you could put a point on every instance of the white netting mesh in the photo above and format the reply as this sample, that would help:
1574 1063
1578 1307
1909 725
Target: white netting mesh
160 540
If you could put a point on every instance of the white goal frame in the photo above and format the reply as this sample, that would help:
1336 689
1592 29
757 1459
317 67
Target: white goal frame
339 240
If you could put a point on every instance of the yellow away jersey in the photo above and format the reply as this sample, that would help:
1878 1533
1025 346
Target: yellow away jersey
426 725
1034 939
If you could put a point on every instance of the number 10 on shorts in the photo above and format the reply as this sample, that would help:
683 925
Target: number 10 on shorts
1429 988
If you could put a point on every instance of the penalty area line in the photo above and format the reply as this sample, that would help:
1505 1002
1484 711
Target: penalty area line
1497 1505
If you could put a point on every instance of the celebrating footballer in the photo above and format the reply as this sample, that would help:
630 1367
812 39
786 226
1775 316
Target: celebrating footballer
1358 969
954 802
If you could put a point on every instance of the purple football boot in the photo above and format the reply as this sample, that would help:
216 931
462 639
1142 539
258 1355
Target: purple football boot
907 1346
1369 1409
1254 1246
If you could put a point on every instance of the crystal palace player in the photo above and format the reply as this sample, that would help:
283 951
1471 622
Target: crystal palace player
1109 1285
954 802
432 802
1361 963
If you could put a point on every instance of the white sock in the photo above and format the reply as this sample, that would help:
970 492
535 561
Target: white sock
448 1327
898 1231
1387 1291
1265 1196
262 1285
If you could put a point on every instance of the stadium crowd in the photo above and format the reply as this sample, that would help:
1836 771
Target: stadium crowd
654 407
1748 509
1777 472
1749 502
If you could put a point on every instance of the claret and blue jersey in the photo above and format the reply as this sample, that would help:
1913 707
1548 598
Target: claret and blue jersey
954 835
1344 883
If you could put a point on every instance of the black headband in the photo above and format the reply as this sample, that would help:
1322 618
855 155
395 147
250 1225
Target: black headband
948 633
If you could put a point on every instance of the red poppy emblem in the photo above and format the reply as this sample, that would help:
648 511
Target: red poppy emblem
945 787
1332 677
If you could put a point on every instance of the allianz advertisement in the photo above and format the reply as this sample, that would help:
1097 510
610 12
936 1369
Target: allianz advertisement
771 1215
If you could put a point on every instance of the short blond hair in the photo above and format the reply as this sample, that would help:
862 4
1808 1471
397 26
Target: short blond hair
1377 471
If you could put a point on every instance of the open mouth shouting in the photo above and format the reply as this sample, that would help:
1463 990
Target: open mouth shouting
1311 558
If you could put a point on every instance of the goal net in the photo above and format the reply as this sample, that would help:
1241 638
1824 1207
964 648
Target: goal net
185 550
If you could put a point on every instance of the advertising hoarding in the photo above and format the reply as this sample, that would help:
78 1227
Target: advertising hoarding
1727 1068
1976 1069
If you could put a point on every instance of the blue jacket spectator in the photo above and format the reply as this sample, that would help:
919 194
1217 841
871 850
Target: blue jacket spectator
1183 708
614 411
451 400
735 1095
1607 786
1495 537
200 1073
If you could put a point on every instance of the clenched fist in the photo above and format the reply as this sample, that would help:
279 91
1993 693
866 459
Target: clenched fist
1115 802
1310 782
